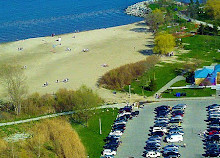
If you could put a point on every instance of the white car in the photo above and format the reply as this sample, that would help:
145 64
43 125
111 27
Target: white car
116 133
124 113
174 138
108 152
153 154
122 122
163 129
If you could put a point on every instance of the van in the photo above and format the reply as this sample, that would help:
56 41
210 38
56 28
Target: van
173 138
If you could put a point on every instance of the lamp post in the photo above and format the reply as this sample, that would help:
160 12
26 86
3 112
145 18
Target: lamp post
100 126
129 93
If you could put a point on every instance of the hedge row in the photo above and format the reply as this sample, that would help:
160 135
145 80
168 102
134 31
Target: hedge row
119 77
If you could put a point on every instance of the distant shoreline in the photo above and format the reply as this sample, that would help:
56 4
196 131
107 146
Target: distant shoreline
56 35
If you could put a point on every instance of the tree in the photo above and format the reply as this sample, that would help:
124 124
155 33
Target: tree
13 78
164 43
155 18
152 85
215 30
213 8
201 29
85 101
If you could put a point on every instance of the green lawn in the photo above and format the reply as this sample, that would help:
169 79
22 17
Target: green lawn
180 83
90 136
206 92
202 47
163 74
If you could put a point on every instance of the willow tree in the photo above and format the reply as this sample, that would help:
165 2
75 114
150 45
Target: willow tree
164 43
13 79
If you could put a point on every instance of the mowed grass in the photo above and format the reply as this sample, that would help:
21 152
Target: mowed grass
180 83
202 47
205 92
90 136
163 73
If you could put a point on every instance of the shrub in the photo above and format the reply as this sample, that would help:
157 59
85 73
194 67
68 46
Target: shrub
121 76
50 138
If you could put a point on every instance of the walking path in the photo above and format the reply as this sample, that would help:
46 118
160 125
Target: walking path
176 79
195 21
57 114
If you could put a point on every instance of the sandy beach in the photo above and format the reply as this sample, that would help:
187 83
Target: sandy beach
48 61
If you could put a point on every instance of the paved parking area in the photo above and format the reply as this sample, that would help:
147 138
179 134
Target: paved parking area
136 133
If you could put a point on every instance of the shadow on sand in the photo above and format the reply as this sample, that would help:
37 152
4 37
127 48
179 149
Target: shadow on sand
141 24
139 30
146 52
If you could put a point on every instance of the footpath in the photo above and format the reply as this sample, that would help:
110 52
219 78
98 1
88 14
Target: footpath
57 114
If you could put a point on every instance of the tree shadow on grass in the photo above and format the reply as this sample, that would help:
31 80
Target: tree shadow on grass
217 60
146 52
139 30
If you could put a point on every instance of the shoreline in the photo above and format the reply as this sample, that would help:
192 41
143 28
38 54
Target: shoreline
2 43
47 61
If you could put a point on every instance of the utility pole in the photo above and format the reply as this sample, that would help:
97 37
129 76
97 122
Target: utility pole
100 126
130 93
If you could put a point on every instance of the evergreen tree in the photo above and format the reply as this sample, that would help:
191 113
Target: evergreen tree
201 29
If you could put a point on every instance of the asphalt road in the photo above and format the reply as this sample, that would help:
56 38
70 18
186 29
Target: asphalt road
136 133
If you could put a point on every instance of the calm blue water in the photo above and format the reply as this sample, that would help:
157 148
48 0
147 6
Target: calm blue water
21 19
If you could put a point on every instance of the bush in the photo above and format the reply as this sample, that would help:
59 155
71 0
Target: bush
63 100
121 76
51 138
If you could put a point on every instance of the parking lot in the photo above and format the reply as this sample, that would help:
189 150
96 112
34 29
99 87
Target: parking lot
137 129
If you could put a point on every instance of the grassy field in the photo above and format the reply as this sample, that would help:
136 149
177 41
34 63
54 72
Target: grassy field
163 73
206 92
90 136
180 83
202 47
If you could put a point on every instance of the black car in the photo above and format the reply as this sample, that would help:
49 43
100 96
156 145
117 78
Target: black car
214 121
162 107
212 153
212 106
135 113
161 124
171 154
159 133
110 138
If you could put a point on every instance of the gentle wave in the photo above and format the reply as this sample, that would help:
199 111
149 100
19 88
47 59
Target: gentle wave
55 19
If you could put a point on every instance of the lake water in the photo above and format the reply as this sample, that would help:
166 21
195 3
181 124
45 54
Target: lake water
21 19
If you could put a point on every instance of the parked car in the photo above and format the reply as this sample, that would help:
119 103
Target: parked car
175 131
171 155
163 129
108 156
152 154
117 133
162 107
108 152
173 138
176 119
153 141
171 146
